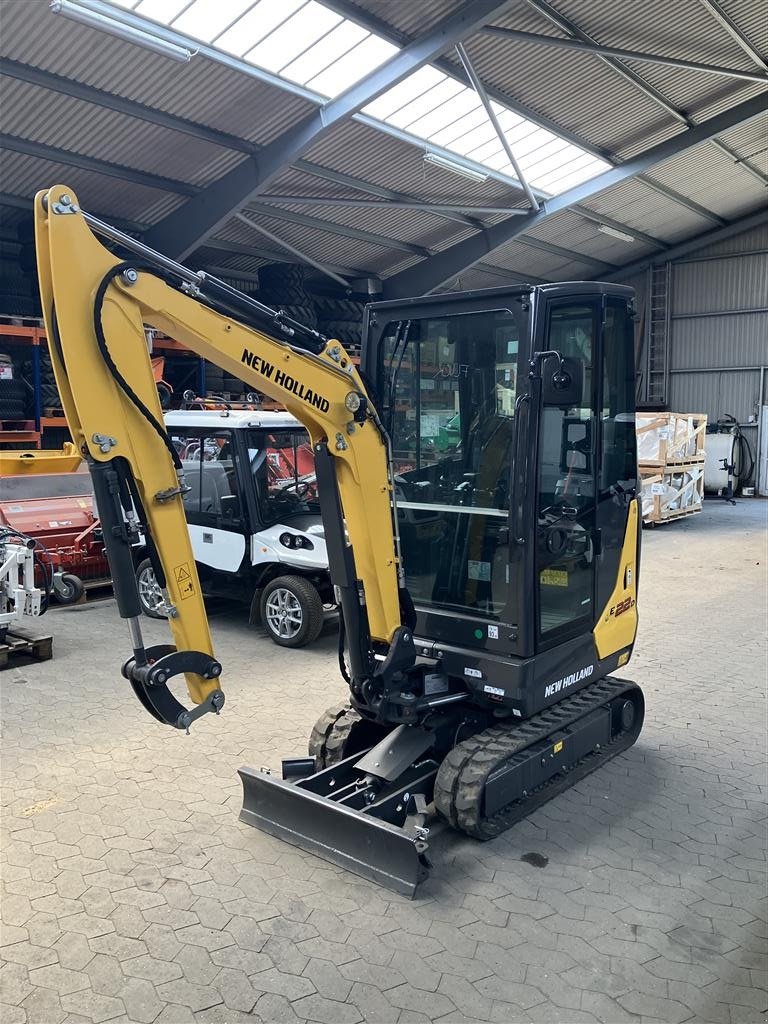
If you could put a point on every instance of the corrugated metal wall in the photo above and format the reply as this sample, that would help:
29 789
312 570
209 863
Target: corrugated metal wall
718 331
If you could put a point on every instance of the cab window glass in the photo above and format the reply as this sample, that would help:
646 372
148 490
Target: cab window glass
209 471
449 386
283 468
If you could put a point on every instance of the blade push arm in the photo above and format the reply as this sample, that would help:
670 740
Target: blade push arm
95 308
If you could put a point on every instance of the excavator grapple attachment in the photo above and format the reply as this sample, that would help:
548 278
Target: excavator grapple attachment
345 816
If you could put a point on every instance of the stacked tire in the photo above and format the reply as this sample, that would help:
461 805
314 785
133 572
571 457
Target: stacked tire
49 393
13 399
282 286
341 319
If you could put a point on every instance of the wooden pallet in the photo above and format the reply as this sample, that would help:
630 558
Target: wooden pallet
18 646
54 413
671 492
670 438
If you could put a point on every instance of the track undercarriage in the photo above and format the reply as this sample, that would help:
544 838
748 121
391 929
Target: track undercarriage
363 798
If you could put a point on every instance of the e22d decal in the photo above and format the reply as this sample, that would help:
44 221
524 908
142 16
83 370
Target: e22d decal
622 606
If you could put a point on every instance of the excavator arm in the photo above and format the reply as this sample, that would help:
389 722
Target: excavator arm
96 305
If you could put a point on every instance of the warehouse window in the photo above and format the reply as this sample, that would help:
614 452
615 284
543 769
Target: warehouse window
306 42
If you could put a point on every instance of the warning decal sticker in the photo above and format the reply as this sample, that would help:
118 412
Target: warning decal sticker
184 579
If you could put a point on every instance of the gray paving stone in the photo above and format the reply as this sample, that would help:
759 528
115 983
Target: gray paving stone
151 969
291 986
326 1011
141 1001
195 997
94 1007
373 1004
11 1014
29 955
649 907
413 999
15 983
276 1009
42 1006
668 1010
327 979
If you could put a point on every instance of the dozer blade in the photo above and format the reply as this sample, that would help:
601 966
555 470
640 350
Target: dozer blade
315 820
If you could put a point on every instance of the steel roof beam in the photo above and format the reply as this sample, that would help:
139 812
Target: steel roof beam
406 204
196 220
736 227
241 249
482 95
733 30
318 224
609 222
681 200
443 266
566 254
292 249
600 50
91 163
571 28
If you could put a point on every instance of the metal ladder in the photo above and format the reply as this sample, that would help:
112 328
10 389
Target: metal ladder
658 333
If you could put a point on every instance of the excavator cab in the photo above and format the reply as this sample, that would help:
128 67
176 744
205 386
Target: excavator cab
511 418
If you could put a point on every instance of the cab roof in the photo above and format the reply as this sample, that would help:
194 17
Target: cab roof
232 419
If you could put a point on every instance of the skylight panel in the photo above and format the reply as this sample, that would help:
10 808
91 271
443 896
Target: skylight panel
255 24
308 43
461 126
163 11
293 37
538 171
206 19
484 132
436 97
325 52
571 172
353 66
404 92
554 148
443 116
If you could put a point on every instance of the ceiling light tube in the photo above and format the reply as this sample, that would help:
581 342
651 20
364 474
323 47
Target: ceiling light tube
130 34
457 168
615 233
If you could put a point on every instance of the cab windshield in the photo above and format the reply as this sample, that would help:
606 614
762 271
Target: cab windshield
450 388
283 469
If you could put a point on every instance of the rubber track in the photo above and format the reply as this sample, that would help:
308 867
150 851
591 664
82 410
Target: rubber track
463 774
330 734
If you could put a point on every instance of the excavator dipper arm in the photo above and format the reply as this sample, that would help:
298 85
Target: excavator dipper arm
96 306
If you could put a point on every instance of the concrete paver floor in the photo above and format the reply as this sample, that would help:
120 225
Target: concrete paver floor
132 893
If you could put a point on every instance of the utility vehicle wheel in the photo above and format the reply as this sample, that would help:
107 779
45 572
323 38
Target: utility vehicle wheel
291 611
68 589
150 594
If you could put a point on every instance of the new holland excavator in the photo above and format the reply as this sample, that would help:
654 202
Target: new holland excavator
478 489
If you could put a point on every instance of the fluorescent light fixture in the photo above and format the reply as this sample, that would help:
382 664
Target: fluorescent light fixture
614 233
127 32
451 165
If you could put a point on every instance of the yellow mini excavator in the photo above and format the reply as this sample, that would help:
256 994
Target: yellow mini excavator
478 491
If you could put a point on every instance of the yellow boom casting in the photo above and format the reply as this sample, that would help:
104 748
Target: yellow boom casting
323 390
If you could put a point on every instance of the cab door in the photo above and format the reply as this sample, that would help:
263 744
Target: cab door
566 468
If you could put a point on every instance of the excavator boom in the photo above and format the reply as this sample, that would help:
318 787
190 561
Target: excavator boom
96 306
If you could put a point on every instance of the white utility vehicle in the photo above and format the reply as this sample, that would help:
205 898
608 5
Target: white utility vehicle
254 519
